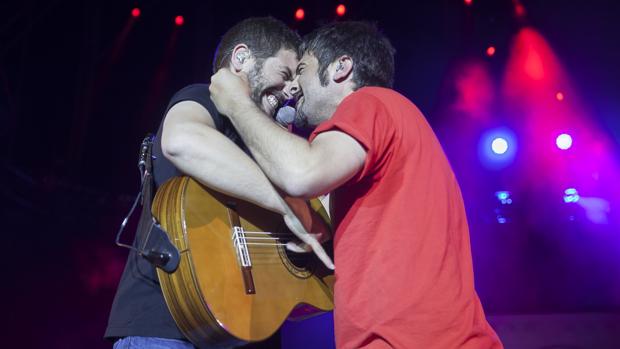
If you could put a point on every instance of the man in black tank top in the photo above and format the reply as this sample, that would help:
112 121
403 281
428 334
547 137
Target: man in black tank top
194 139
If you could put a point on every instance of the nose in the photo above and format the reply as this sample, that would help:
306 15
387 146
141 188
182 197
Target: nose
292 89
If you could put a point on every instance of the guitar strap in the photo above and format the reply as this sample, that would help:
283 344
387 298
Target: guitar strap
152 242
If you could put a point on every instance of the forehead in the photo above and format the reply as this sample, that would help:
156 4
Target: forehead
308 58
283 59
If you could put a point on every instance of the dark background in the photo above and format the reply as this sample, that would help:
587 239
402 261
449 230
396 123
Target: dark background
81 84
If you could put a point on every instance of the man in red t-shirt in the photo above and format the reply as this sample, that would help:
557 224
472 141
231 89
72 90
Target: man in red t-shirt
404 275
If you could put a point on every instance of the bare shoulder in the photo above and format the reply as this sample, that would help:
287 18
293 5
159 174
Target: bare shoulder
188 112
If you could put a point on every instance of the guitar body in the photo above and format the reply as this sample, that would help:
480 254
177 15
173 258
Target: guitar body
214 300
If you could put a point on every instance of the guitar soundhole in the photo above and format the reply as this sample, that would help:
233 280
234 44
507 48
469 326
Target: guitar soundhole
303 265
301 261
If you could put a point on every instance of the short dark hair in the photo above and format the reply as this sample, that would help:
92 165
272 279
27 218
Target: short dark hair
371 51
264 36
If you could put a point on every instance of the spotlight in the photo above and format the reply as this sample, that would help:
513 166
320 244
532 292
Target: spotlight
135 13
341 10
499 146
179 20
300 14
519 10
571 195
468 2
559 96
564 141
490 51
504 197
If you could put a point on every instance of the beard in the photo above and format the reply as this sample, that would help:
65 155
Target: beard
301 119
257 83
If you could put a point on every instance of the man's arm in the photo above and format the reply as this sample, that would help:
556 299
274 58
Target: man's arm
191 142
296 166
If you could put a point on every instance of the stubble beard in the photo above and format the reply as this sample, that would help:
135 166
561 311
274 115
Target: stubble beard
257 83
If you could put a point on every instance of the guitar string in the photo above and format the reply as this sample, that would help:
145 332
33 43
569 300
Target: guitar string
266 251
260 251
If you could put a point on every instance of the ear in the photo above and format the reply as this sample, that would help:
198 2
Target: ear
342 68
239 57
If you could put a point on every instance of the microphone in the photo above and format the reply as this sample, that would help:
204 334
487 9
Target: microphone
286 115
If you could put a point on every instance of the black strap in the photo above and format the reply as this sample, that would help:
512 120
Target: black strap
155 245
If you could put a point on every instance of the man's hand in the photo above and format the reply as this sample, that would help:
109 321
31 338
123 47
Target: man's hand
230 92
311 220
309 242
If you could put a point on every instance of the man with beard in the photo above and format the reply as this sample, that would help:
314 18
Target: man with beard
404 275
195 140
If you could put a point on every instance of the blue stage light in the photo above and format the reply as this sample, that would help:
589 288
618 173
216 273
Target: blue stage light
503 197
497 148
571 195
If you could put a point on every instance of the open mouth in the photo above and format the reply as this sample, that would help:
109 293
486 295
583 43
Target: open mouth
273 101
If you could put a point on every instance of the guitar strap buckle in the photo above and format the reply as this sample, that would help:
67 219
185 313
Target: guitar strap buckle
158 250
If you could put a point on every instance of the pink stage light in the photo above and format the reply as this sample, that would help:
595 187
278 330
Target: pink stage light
474 90
564 141
179 20
519 10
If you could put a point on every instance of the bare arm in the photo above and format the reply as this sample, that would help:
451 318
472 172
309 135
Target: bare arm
191 142
298 167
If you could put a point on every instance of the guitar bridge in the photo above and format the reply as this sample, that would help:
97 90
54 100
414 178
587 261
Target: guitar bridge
241 246
243 254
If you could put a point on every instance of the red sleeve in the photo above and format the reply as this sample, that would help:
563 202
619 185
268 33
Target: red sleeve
361 116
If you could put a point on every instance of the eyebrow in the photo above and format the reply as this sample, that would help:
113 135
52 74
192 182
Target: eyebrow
299 67
289 73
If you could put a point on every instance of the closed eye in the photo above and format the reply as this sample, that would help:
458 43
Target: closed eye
300 68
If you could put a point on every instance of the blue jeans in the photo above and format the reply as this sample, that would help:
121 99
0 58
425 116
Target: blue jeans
151 343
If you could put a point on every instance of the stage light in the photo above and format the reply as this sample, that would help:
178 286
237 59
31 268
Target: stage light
559 96
341 10
300 14
179 20
571 195
504 197
499 146
564 141
520 10
468 2
135 12
490 51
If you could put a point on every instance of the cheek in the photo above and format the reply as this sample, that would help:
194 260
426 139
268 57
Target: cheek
304 85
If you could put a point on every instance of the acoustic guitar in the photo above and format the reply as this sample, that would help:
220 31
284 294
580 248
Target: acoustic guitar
235 282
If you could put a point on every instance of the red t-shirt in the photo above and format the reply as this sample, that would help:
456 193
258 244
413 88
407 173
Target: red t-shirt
404 276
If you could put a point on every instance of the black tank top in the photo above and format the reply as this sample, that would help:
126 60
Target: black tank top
139 308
